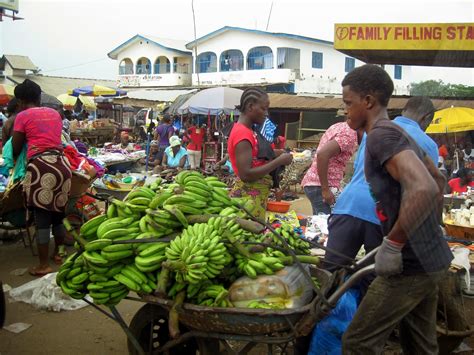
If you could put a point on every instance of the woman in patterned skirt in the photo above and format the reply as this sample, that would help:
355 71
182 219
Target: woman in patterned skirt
48 175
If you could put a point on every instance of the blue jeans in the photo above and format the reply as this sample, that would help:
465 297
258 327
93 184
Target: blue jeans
315 196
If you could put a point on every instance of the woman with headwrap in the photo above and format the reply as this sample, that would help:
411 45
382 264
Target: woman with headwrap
125 143
48 175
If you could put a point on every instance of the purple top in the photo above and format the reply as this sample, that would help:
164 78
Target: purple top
164 130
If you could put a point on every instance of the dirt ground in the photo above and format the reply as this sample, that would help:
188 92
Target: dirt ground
85 331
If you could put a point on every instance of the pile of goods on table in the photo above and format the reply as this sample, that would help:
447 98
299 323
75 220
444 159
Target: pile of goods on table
188 241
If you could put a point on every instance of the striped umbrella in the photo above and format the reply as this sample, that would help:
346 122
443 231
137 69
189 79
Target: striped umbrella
97 90
70 101
6 93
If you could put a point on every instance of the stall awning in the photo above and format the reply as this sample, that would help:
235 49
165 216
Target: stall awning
308 103
437 44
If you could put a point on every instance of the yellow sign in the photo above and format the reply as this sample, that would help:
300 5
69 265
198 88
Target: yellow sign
9 5
405 36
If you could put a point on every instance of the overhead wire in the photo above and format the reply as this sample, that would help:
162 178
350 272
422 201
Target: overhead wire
73 66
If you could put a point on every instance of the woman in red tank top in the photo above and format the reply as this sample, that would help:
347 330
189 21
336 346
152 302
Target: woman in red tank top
253 179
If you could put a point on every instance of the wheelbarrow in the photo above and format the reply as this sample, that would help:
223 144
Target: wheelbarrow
209 329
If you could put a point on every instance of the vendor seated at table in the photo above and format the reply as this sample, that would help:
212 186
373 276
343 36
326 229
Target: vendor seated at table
125 143
461 183
153 156
175 155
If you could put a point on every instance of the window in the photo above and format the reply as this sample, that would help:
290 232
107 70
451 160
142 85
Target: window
260 58
317 61
288 58
397 72
162 65
232 60
126 67
143 66
350 64
206 62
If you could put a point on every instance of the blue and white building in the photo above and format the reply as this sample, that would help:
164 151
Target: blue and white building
234 56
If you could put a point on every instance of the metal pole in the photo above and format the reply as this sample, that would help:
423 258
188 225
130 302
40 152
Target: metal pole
126 329
147 151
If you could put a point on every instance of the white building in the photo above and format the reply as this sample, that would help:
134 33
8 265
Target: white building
234 56
146 61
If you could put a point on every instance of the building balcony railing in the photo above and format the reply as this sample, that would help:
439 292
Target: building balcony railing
162 68
181 68
127 70
143 69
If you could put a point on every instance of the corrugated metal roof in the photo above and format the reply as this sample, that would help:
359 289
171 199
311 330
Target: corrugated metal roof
57 85
17 62
307 103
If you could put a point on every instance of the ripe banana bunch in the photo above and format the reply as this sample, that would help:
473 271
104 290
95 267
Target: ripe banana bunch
197 254
294 240
213 296
258 264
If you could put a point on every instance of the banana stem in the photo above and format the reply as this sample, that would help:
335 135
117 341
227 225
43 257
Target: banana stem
247 225
82 242
305 259
240 248
174 265
173 320
163 281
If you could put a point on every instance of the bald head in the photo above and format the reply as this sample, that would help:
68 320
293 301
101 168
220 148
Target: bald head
419 109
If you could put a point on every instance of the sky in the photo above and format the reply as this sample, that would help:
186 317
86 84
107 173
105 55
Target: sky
72 37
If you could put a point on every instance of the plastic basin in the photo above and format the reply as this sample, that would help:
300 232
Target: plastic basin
280 207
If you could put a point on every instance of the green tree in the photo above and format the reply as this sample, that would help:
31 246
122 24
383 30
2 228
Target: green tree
437 88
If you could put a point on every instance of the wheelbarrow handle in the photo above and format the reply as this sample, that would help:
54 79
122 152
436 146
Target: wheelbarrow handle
367 257
350 282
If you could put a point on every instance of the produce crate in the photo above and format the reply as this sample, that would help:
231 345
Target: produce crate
461 232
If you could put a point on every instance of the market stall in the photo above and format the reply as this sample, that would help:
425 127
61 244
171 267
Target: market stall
95 133
219 105
117 160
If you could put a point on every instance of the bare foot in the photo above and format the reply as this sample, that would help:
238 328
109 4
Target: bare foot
40 270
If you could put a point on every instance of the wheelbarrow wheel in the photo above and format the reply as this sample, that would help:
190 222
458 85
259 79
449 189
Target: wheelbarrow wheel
150 327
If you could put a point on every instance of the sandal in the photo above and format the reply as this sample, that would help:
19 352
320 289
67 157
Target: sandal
58 258
34 272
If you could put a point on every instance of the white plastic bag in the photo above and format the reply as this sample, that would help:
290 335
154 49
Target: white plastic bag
287 287
44 293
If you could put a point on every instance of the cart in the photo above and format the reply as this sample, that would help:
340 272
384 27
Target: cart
208 329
